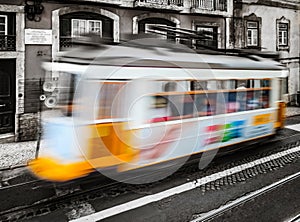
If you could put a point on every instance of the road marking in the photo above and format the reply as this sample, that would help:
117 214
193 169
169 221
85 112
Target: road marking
294 127
294 219
181 188
213 213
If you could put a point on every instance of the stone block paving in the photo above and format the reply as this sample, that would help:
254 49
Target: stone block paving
292 111
16 154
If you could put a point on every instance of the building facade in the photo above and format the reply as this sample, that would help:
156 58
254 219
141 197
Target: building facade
31 31
271 25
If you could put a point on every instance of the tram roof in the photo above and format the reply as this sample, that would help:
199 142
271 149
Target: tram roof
158 56
162 56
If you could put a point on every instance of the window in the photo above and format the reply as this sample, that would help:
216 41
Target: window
94 26
81 27
252 33
210 35
3 25
282 34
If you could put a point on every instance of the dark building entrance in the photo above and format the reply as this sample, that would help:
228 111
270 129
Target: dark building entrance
7 95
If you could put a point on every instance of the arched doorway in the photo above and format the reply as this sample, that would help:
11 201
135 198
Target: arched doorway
87 15
143 21
144 26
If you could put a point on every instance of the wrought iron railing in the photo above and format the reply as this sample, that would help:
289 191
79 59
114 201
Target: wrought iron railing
163 2
7 43
65 42
212 5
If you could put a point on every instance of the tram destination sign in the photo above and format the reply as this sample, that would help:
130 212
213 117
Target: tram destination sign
38 36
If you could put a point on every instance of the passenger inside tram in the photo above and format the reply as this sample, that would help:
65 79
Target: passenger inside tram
203 99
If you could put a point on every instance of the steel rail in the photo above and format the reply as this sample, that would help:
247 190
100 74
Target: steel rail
217 212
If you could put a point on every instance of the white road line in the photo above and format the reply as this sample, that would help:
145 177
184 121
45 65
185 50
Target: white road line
294 219
294 127
180 189
243 199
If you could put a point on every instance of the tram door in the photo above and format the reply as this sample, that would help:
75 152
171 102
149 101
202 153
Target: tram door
7 98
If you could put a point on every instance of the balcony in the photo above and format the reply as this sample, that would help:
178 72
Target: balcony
68 42
175 5
65 42
209 5
7 43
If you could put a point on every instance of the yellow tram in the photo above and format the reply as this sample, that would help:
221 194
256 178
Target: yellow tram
125 107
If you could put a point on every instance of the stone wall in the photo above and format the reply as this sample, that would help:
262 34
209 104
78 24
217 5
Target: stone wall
28 127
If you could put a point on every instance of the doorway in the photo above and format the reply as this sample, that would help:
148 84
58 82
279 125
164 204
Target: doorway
7 95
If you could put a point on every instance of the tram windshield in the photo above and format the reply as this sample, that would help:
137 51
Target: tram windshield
67 87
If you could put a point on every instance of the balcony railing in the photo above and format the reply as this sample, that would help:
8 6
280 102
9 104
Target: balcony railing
68 42
7 43
211 5
65 42
172 4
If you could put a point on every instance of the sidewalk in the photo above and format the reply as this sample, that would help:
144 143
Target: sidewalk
292 111
15 154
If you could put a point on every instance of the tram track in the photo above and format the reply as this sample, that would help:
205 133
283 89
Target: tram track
215 213
8 184
109 188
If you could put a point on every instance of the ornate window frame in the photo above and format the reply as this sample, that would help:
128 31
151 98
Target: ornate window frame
136 19
247 20
279 47
196 23
80 8
5 23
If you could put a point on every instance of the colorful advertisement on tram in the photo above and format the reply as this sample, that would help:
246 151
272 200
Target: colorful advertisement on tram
175 140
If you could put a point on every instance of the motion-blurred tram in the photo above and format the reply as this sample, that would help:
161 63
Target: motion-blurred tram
124 107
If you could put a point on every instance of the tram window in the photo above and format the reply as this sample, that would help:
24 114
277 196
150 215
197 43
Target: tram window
201 103
170 86
227 84
257 83
265 99
231 104
188 107
258 98
211 106
242 84
234 96
252 100
66 88
171 107
159 102
183 86
265 83
107 95
198 85
241 100
221 101
176 105
212 85
158 109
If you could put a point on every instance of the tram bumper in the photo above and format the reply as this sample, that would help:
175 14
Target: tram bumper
61 155
49 169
